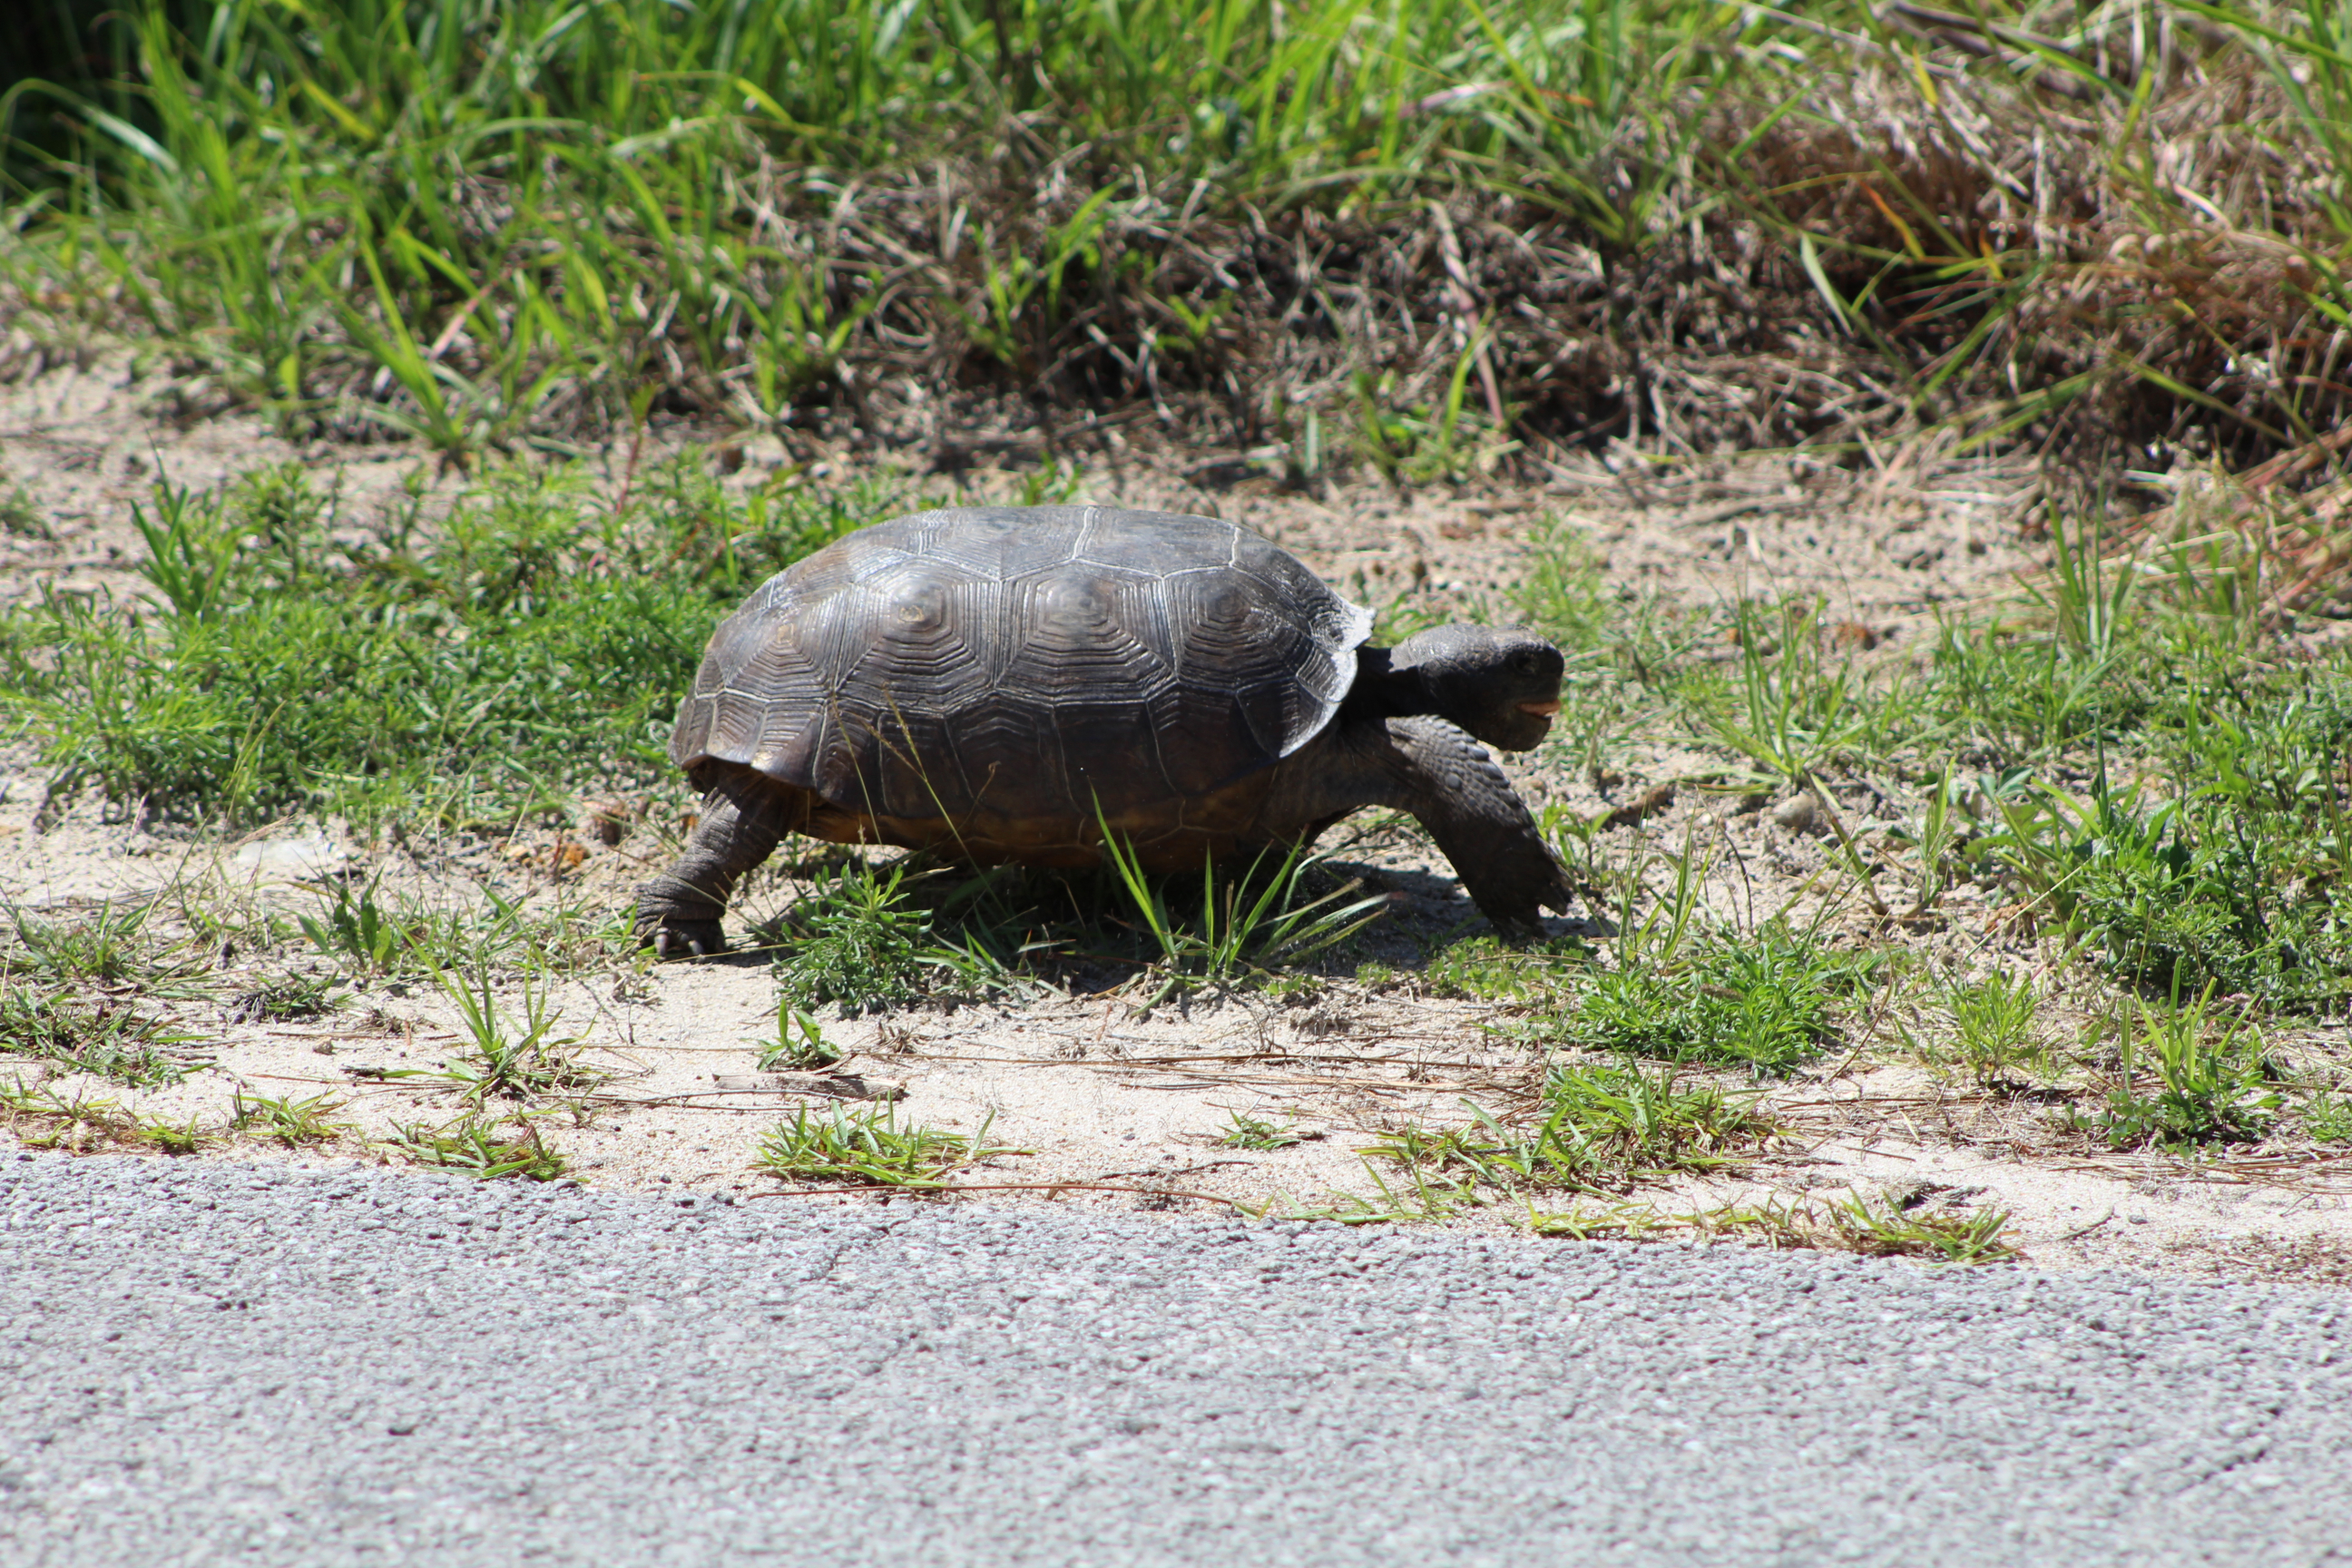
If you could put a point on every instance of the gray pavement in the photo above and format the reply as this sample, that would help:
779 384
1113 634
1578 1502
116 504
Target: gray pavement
215 1362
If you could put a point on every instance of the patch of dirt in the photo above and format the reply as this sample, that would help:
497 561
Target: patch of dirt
1112 1108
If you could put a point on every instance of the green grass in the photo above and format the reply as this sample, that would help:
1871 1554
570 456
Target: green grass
2189 1078
480 1145
1991 1032
868 938
1242 921
109 1037
800 1044
1490 969
859 939
490 223
2327 1119
1256 1133
106 946
1767 1001
531 645
44 1118
1874 1226
320 186
871 1148
287 1120
512 1056
1602 1129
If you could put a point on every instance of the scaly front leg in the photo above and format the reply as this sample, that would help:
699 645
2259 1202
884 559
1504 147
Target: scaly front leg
744 819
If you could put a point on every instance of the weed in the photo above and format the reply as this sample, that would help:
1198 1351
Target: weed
81 1124
20 517
289 1121
1559 592
1488 969
485 1146
521 1065
287 998
1993 1037
800 1044
1604 1128
77 1124
870 1148
104 947
1249 1133
1881 1228
1935 839
2327 1119
1580 1222
857 940
1431 1199
2212 1082
1252 921
1766 1002
355 926
103 1035
1797 709
1874 1227
168 1137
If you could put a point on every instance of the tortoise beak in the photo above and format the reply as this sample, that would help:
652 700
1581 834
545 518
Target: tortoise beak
1546 708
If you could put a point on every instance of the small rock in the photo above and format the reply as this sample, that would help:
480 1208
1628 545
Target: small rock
294 860
1797 814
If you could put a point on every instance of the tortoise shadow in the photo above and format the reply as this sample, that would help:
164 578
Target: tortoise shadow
1438 900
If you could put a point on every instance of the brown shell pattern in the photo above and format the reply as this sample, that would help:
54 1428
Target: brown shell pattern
1032 661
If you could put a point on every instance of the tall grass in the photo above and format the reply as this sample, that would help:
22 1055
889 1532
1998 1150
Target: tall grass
464 218
1682 223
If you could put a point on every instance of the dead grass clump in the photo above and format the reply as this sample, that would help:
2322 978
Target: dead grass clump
2126 270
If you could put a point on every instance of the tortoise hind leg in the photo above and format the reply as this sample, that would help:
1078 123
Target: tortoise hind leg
1428 767
744 817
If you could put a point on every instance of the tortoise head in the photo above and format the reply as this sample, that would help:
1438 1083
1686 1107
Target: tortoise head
1500 683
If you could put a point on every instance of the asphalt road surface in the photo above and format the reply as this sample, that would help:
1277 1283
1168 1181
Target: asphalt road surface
213 1363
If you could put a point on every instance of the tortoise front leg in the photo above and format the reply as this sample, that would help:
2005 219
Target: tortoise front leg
1431 769
678 911
1480 821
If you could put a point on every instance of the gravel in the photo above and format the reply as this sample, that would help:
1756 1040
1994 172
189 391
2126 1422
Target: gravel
213 1361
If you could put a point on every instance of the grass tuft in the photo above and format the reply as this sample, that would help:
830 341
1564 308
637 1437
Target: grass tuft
2211 1082
1603 1128
288 1120
478 1144
104 1035
870 1148
1767 1001
1872 1227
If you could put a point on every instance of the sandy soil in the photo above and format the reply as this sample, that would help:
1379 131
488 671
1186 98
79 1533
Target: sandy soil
1108 1107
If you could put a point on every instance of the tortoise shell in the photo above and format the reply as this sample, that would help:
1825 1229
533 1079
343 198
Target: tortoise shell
1039 664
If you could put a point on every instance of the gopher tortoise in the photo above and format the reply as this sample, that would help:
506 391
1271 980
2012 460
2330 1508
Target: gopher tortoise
1001 684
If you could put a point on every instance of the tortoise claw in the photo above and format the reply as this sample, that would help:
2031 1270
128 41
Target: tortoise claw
674 936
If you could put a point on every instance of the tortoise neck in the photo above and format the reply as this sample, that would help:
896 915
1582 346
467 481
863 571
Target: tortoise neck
1383 690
